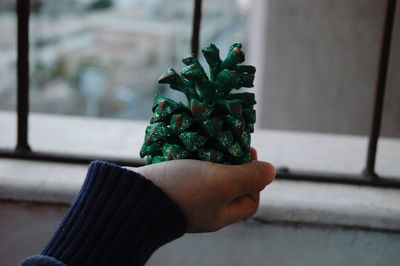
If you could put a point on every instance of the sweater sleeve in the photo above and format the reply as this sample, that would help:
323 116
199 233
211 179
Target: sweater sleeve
119 218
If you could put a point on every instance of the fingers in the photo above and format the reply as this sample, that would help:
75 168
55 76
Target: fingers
251 177
253 152
241 208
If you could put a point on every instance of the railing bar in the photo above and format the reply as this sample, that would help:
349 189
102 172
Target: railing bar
337 178
196 27
23 10
309 176
380 90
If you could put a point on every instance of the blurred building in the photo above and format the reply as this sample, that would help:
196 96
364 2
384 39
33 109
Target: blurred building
131 42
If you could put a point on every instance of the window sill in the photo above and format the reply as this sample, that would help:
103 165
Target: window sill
283 201
329 153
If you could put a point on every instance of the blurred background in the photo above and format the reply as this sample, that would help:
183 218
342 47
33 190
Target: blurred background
103 58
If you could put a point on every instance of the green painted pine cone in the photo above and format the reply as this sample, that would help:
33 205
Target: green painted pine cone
216 124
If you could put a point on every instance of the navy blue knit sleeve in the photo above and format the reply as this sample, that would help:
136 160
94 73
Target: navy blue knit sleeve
119 218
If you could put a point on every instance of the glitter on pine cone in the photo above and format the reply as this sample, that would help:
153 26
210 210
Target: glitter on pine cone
216 125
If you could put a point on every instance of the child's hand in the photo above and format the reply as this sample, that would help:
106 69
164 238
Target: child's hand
211 195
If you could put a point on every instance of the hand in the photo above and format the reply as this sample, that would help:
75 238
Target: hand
211 195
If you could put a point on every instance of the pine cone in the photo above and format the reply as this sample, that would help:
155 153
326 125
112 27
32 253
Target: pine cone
216 125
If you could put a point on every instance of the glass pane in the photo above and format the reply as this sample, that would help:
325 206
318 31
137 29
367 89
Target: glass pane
103 58
7 73
7 55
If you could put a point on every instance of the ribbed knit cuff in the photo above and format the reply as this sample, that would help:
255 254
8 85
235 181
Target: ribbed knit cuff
119 218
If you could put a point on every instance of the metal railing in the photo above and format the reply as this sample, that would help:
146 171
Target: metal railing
367 177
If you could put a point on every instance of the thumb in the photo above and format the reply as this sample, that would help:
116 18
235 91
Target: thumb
251 177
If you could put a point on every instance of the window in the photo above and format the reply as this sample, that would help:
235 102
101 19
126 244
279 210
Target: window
102 59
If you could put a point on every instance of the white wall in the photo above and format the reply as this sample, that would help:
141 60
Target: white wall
25 228
318 65
255 244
